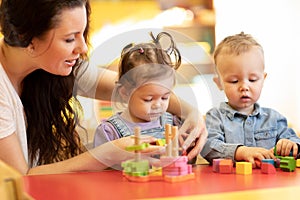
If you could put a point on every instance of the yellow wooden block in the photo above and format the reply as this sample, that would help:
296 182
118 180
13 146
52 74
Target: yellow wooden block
243 168
161 142
298 163
155 171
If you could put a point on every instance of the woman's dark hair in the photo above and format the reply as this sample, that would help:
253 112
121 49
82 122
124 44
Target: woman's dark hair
50 105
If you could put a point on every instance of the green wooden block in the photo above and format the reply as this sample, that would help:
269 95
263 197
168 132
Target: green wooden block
137 147
288 164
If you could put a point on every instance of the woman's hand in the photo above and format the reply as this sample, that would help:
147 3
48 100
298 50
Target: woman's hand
114 152
193 134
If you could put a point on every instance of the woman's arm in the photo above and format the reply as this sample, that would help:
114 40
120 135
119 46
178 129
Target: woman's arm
82 162
12 154
96 159
99 158
95 82
106 83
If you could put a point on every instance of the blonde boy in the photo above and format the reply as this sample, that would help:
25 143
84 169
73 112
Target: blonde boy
240 129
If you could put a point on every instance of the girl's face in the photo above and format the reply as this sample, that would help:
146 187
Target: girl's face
242 79
148 102
58 51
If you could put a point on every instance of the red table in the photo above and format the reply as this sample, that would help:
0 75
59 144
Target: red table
112 185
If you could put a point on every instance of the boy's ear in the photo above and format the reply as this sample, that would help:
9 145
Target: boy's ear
217 81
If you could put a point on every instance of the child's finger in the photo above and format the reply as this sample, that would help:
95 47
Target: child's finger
257 163
278 147
295 150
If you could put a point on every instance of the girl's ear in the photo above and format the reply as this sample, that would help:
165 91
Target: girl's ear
124 93
217 81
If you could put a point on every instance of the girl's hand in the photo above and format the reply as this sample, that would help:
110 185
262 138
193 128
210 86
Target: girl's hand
193 135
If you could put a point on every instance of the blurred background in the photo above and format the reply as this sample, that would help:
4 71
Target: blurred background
198 26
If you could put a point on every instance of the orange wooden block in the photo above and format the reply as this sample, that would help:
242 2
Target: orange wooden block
174 179
226 166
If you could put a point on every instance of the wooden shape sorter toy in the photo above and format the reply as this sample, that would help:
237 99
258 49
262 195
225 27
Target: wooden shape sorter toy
170 168
133 169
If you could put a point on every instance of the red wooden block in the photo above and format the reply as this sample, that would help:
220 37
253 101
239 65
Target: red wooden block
267 168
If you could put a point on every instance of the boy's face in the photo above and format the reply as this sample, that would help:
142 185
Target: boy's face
241 77
148 102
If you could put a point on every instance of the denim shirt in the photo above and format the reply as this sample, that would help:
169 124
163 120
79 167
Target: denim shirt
228 129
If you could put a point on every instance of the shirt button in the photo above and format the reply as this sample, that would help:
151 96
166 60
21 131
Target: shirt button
266 134
248 122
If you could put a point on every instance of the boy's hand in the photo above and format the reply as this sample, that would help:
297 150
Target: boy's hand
285 146
253 155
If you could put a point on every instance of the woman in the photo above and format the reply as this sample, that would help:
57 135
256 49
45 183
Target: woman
41 55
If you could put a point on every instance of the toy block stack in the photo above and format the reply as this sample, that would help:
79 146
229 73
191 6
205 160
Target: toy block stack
136 169
268 166
174 167
171 167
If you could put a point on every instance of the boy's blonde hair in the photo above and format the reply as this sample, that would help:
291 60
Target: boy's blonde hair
235 45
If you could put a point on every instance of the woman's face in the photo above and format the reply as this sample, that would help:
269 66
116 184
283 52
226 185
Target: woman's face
58 51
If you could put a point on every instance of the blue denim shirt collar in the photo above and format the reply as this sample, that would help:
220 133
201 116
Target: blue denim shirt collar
225 108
